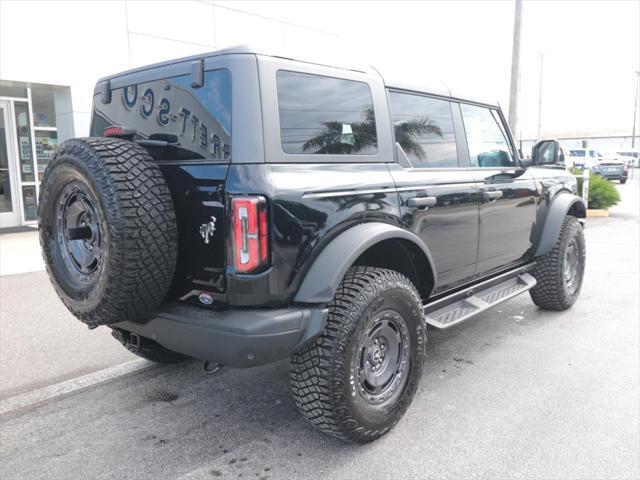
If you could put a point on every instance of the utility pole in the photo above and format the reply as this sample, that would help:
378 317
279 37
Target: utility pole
515 69
635 110
540 99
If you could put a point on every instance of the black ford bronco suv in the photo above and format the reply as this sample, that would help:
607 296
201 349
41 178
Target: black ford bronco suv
241 208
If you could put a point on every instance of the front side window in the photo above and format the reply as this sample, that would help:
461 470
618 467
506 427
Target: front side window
423 127
325 115
488 145
196 121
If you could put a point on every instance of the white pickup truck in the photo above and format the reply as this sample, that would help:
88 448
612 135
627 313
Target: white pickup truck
583 158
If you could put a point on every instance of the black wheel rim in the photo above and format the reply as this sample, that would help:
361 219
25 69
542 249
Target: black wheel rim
571 267
383 358
79 235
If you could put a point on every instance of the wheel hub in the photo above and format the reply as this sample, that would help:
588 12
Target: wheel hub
571 267
79 235
384 358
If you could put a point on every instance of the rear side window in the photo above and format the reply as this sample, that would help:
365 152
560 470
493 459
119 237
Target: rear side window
325 115
488 145
196 120
423 127
577 153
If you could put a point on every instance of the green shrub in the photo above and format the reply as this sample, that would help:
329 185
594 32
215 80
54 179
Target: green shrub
602 193
578 174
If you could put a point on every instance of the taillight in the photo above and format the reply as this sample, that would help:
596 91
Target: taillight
250 230
117 131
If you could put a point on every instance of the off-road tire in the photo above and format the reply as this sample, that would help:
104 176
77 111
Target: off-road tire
322 374
135 223
148 349
551 291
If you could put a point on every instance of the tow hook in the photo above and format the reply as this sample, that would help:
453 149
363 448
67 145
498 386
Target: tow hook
134 340
211 367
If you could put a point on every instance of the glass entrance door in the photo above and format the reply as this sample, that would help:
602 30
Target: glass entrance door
9 200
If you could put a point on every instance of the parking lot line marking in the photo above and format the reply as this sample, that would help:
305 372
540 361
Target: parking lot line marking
50 392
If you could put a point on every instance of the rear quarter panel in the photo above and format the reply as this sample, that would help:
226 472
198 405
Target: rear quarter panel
309 205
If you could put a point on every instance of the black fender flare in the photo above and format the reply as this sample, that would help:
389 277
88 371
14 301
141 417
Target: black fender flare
558 210
328 269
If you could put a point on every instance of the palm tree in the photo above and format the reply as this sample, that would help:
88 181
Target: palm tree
408 132
332 138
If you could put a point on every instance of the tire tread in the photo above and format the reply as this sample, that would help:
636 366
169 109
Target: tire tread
549 292
317 372
141 227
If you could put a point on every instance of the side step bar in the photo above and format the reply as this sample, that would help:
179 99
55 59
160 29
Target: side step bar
463 305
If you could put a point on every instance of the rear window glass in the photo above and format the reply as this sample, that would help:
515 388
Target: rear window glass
577 153
197 121
325 115
423 127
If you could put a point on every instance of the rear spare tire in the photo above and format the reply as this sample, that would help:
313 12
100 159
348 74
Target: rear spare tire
107 230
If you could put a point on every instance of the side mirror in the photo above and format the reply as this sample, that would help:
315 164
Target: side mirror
546 152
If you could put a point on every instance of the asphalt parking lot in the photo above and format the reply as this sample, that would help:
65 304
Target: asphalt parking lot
514 393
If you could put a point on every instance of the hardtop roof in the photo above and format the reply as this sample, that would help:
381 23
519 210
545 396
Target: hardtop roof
440 90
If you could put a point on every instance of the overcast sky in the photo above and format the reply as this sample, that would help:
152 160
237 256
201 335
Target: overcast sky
591 48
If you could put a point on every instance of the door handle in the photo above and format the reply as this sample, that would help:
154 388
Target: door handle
492 196
421 202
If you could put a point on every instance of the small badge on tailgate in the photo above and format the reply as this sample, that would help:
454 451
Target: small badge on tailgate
207 230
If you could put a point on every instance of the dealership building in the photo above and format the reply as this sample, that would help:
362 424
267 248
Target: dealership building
52 53
47 80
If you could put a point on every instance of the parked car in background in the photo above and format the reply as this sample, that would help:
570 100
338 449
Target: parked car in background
611 168
630 157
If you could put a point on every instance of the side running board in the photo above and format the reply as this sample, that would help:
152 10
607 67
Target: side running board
463 305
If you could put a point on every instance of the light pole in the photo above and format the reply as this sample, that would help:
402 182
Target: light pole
540 99
515 68
635 110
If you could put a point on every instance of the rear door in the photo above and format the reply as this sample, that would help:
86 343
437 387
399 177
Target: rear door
186 127
438 198
508 192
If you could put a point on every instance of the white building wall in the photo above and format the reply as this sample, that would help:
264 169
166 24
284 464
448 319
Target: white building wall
77 42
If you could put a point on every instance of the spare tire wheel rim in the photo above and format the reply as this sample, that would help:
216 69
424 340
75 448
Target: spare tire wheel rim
79 234
383 359
571 267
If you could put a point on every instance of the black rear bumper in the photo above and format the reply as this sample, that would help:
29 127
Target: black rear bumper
237 338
